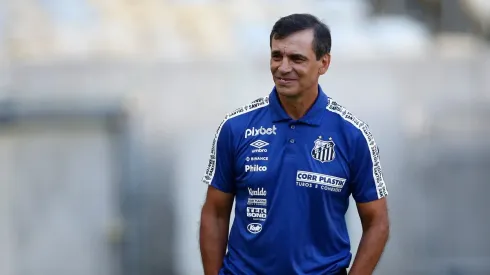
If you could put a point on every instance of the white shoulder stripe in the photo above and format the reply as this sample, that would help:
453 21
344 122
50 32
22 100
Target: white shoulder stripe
254 105
381 189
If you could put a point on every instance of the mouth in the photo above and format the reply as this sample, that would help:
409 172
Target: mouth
284 80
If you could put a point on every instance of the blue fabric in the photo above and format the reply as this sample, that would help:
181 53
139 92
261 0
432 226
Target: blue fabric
292 180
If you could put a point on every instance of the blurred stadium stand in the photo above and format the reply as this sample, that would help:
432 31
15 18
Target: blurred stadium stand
108 108
176 30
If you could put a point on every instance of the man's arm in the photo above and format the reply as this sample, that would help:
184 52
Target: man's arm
369 192
213 232
375 227
215 213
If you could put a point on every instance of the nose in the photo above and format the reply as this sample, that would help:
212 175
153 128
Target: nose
284 67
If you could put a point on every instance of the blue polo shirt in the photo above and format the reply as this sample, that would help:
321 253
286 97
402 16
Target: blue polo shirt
292 180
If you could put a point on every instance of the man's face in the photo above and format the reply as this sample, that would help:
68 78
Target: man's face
293 63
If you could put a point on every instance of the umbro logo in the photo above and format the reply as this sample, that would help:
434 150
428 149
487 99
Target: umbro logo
259 144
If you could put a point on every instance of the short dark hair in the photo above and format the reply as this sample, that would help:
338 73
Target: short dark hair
285 26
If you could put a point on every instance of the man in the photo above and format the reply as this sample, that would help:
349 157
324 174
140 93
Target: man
291 160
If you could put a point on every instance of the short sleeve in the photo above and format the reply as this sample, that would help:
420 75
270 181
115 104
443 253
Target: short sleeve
219 172
366 173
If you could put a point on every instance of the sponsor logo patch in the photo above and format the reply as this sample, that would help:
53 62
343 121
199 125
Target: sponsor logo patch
252 132
255 168
256 158
257 213
320 181
254 228
259 144
260 192
257 202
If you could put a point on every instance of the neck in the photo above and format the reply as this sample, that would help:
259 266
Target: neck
296 107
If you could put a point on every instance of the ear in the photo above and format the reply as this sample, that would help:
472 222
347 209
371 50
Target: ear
325 63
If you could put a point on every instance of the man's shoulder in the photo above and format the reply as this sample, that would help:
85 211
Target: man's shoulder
242 114
347 121
249 108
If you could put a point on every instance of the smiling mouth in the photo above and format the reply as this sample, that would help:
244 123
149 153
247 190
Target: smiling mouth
282 79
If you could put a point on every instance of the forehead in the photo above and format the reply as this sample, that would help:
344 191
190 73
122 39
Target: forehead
301 41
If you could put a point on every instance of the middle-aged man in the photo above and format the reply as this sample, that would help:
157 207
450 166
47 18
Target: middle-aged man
291 160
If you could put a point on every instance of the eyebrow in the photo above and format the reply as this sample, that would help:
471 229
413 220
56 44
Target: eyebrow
292 55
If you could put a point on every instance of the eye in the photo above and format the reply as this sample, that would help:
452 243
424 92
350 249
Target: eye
276 57
297 59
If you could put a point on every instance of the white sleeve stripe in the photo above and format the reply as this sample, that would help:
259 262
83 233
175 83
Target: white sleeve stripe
208 177
254 105
381 189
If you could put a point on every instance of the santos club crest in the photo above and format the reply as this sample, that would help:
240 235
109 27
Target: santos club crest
324 150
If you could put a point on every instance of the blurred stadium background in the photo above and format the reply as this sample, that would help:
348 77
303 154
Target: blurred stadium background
108 109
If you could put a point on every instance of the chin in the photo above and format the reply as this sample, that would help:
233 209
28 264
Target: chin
287 91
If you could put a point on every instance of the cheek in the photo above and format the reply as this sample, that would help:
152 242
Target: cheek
304 73
311 72
273 66
307 76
